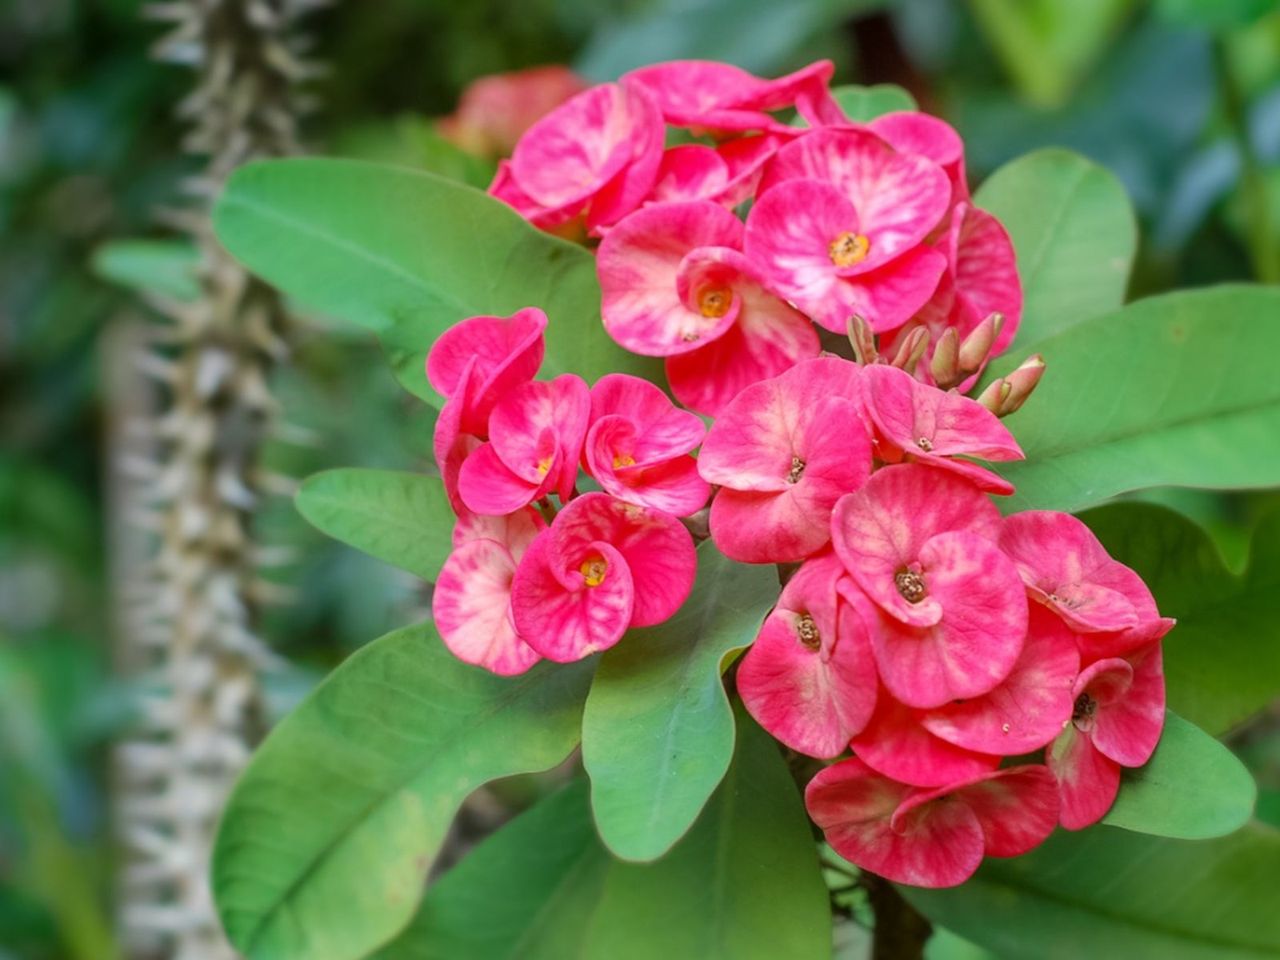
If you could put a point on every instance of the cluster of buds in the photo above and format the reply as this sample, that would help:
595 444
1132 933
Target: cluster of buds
919 629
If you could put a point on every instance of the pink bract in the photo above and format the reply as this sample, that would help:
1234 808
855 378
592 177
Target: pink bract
1116 722
909 131
924 423
807 238
535 440
1065 566
784 451
933 838
495 110
507 351
720 98
603 566
471 602
921 543
809 678
638 446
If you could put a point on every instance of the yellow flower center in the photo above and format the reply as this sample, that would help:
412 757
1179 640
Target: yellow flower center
593 570
849 249
623 460
544 466
714 302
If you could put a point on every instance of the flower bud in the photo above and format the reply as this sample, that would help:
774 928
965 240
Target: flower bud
1021 383
977 345
945 366
863 340
913 347
994 397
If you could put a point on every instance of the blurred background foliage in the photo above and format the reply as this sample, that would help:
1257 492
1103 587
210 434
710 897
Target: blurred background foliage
1180 98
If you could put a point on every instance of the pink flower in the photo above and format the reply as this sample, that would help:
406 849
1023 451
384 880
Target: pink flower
931 838
471 603
916 421
535 440
1117 720
784 451
839 226
473 364
674 283
910 131
1063 565
638 446
809 678
603 566
726 174
495 110
598 152
981 279
921 543
1029 707
720 98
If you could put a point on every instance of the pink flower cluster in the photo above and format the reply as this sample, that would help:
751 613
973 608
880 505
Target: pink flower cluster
844 219
991 675
515 589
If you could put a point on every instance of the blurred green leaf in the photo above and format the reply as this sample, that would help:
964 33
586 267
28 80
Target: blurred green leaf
861 104
1218 15
1192 788
1175 390
165 267
1048 45
1106 892
758 35
1222 660
743 884
401 518
657 732
409 254
1075 235
412 141
327 840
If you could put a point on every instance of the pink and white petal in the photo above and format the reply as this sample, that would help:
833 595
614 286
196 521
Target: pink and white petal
936 845
471 606
879 530
788 237
1028 709
886 297
1017 807
672 486
487 485
753 527
507 351
896 744
899 198
664 429
1087 781
450 445
638 263
686 90
1123 642
572 404
505 188
627 190
985 269
1128 729
988 481
745 158
656 546
558 613
568 155
909 131
749 447
690 172
515 531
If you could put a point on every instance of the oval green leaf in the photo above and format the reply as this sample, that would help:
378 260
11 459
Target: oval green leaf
164 267
1175 390
327 840
401 518
1110 893
408 254
743 884
862 104
657 733
1222 660
1075 235
1192 788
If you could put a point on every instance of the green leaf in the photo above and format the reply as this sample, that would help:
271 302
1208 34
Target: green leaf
408 254
1192 788
166 267
1222 660
327 839
401 518
862 104
1110 893
657 733
744 884
1175 390
1223 16
1074 232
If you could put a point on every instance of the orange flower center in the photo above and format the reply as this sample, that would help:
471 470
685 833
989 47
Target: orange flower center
849 249
623 460
714 302
593 570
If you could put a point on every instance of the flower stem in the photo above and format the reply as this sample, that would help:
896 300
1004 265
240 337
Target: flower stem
900 931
